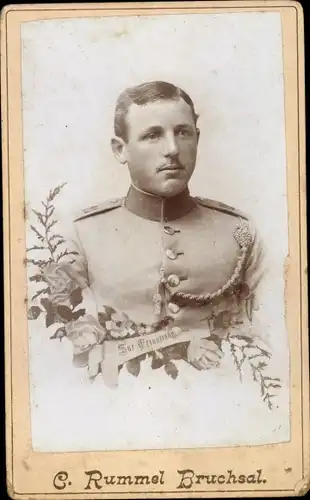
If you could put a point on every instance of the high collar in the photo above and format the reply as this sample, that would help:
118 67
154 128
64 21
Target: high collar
156 208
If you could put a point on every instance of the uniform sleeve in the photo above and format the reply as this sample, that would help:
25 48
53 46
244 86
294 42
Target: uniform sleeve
72 258
79 260
254 269
70 271
254 278
80 265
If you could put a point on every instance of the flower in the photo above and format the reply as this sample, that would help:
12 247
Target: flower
63 278
117 332
120 326
84 333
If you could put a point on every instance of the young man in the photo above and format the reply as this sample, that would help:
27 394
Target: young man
160 256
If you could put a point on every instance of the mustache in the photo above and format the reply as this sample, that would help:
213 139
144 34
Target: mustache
175 164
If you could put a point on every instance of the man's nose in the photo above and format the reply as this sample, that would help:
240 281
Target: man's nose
171 146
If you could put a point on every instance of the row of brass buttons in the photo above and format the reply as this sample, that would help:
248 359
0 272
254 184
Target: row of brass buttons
173 280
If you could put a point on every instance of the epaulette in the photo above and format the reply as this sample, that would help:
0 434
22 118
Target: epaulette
221 207
99 209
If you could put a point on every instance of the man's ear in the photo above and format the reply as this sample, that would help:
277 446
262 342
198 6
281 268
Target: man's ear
119 149
198 134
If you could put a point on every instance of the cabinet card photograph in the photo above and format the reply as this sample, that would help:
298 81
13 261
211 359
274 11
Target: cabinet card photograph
156 274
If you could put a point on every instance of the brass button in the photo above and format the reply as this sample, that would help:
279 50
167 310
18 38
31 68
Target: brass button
173 280
169 230
171 254
173 307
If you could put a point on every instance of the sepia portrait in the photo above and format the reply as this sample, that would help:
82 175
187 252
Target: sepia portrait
157 238
164 282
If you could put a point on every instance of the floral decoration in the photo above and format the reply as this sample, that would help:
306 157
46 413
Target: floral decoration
59 299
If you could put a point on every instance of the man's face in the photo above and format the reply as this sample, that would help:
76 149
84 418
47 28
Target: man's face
162 146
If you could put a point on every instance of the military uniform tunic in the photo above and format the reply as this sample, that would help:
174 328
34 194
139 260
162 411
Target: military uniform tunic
184 251
179 257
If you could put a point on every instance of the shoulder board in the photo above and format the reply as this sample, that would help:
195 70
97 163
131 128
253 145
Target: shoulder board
221 207
99 209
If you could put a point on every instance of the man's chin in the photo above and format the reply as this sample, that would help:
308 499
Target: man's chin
171 187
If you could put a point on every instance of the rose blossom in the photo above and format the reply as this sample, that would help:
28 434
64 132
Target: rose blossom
84 333
63 278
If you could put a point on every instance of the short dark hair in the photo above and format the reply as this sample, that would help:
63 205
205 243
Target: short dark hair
143 94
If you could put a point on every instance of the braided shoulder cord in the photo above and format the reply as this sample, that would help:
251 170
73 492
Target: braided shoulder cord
244 238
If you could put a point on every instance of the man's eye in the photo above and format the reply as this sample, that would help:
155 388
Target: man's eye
183 133
152 136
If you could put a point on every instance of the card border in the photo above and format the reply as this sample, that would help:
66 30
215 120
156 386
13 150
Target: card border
301 243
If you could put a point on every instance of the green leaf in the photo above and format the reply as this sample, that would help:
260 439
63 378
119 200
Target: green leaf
262 365
262 387
156 363
57 237
76 297
39 263
40 292
275 386
38 234
59 334
50 319
59 242
51 211
233 351
263 351
64 312
65 253
34 312
254 356
53 193
133 367
142 357
171 370
78 314
39 216
46 303
51 224
37 278
36 247
254 374
105 314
